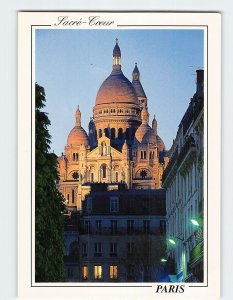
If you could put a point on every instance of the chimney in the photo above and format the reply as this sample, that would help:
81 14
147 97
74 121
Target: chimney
200 83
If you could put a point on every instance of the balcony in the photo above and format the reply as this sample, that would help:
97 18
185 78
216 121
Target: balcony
187 152
171 165
196 255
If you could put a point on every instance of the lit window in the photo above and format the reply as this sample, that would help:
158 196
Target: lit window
97 272
84 273
113 272
114 204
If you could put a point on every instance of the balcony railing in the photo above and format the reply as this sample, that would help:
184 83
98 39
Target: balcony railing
120 231
170 165
188 146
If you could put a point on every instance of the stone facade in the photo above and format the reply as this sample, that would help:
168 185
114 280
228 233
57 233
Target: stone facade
120 237
183 181
121 146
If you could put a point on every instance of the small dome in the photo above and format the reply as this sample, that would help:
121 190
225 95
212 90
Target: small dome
160 143
61 161
77 137
116 89
145 134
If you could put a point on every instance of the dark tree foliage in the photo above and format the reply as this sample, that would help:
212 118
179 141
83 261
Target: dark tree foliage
49 207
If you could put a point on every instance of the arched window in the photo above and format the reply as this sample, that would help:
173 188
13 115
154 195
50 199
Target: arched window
141 154
144 154
76 156
113 133
73 156
68 198
100 133
127 133
72 196
106 132
104 171
117 177
120 133
92 177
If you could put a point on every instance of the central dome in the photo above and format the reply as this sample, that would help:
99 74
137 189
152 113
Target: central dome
116 89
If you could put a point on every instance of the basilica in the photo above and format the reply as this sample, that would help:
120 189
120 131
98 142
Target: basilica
121 148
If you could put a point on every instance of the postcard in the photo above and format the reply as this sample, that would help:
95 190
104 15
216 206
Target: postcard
119 155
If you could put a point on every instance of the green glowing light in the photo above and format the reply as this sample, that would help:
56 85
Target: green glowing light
194 222
172 241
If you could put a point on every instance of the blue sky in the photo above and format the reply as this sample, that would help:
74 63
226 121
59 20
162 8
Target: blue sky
72 64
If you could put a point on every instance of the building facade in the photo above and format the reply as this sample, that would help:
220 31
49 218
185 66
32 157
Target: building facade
183 181
120 147
121 237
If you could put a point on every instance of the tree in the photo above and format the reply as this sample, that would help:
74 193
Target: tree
49 203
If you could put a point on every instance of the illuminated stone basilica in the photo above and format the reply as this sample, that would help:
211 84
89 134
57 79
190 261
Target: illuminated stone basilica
121 146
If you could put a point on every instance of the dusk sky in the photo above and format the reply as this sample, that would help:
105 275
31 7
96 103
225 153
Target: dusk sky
72 64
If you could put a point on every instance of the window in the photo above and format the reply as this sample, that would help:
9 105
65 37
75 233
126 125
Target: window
113 272
104 171
70 272
72 196
113 249
68 198
75 175
100 133
113 133
162 226
120 133
130 272
114 204
130 226
92 177
73 249
98 249
84 249
130 249
98 226
87 226
84 273
97 272
113 227
144 154
141 154
127 133
106 132
146 226
117 177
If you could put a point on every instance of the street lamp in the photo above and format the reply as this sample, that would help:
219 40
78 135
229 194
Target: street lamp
163 260
195 222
